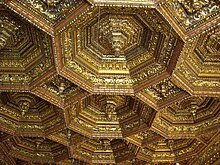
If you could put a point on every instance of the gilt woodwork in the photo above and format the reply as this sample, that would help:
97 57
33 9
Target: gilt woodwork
127 82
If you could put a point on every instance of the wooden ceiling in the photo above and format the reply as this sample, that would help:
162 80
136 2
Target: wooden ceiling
126 82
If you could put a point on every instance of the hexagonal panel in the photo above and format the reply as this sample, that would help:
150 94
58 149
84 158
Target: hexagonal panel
117 50
28 115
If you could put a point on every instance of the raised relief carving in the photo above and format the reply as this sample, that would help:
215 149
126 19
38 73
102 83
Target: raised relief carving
53 9
191 12
8 28
94 82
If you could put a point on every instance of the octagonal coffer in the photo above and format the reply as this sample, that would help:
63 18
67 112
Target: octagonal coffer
170 150
201 114
117 50
104 151
27 115
26 51
100 116
114 36
197 70
35 149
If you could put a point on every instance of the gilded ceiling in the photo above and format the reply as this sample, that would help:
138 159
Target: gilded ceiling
127 82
